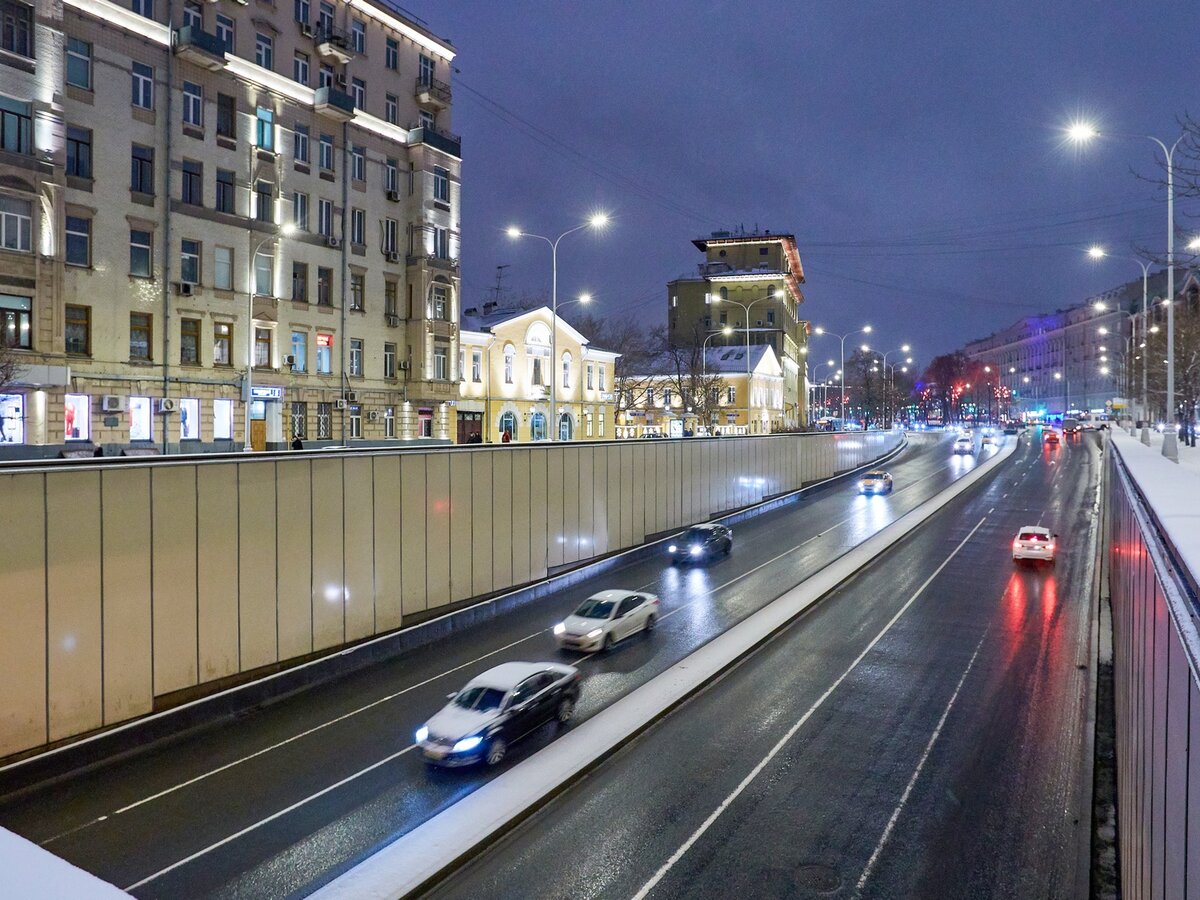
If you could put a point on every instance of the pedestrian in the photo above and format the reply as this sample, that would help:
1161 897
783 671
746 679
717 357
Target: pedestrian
506 437
297 444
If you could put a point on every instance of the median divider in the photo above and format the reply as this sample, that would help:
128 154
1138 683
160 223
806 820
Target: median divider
434 849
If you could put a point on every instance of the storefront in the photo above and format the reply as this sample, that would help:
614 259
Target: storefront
266 417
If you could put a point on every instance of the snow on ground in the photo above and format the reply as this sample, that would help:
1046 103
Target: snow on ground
30 871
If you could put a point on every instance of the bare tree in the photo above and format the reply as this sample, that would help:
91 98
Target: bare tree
638 346
699 388
8 367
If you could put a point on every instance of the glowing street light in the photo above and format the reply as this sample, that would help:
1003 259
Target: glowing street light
1080 132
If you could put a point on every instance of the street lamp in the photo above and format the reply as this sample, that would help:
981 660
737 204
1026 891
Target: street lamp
1082 132
597 221
746 308
866 329
726 331
284 231
1098 252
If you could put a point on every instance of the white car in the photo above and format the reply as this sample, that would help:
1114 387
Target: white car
964 444
605 618
1034 542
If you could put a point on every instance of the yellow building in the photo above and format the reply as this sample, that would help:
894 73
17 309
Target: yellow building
747 282
668 403
507 358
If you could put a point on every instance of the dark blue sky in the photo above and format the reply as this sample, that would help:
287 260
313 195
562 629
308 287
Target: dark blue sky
913 148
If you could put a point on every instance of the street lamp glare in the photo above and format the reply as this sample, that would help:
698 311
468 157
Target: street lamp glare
866 349
867 330
1102 330
287 230
908 360
727 330
1194 244
904 348
1097 252
513 232
818 330
599 220
585 298
1081 132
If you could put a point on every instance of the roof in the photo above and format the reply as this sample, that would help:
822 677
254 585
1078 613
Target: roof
611 594
487 322
726 237
733 359
1037 529
507 676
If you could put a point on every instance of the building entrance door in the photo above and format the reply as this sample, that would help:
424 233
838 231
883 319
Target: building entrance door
258 434
470 428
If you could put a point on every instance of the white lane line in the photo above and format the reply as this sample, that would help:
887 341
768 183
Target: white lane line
270 818
791 732
887 831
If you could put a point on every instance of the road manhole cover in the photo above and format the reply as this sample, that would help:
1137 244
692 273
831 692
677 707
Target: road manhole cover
822 879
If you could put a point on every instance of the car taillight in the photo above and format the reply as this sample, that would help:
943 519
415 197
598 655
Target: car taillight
1016 545
1049 546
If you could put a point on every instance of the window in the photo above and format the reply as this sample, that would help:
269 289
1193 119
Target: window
649 396
358 163
143 8
189 419
16 321
264 203
391 109
222 344
587 421
79 152
262 348
141 419
358 91
391 54
264 134
601 374
193 16
302 11
589 376
508 425
79 241
300 210
600 422
324 353
358 35
264 266
79 61
300 68
390 175
425 117
79 330
770 317
509 355
141 170
427 70
189 342
389 360
391 235
226 116
16 126
358 226
141 256
565 427
389 297
537 426
477 366
299 420
324 286
724 319
16 224
325 217
389 421
324 421
441 369
189 261
299 351
225 32
356 356
225 191
143 86
441 184
264 50
566 370
325 153
357 290
222 420
299 282
16 35
300 143
77 412
139 336
193 104
731 395
437 306
192 183
325 77
668 398
441 243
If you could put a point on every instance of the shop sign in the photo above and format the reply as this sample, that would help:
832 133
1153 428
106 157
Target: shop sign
264 392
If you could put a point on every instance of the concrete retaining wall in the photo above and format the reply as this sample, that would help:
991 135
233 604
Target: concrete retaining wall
127 582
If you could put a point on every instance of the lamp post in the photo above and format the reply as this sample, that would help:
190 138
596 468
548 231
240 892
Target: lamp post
866 329
1097 252
599 220
905 349
746 308
284 231
1082 132
821 384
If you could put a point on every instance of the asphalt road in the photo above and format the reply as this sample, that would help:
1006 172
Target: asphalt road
284 798
919 733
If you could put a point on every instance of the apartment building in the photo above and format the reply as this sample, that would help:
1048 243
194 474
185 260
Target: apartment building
749 282
224 223
507 363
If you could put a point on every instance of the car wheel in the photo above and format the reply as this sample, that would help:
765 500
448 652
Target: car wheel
497 750
728 547
566 710
651 623
607 643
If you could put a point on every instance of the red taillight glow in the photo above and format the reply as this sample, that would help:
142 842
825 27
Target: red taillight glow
1050 547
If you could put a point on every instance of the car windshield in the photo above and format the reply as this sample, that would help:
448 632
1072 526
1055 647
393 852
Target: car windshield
697 534
1032 536
479 698
874 475
595 609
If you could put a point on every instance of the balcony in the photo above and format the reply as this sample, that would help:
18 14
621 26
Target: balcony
432 94
336 104
438 139
434 262
333 44
200 47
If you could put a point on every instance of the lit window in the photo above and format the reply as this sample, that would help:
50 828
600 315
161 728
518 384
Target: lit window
356 356
265 129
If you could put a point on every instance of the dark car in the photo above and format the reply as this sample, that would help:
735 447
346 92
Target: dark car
497 709
1010 429
701 542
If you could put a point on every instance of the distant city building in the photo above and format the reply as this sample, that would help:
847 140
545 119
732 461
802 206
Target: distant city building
507 363
148 180
761 271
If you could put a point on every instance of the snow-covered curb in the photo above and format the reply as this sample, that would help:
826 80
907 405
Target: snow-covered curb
459 831
30 871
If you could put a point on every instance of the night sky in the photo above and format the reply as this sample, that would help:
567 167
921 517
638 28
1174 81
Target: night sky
914 149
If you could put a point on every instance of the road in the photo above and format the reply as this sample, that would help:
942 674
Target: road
286 797
919 733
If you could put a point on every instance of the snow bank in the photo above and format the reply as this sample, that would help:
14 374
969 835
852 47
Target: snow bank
30 871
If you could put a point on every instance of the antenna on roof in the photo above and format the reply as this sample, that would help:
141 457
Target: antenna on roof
499 277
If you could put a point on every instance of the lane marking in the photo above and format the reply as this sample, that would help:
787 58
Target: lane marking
887 831
791 732
270 818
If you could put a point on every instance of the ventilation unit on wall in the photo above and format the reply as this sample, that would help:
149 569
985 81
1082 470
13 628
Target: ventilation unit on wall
112 403
339 403
166 405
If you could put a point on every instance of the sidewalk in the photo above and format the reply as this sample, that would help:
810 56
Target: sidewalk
1189 457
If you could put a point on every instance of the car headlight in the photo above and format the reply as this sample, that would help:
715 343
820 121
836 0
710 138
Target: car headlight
697 549
595 632
467 743
672 549
422 734
560 628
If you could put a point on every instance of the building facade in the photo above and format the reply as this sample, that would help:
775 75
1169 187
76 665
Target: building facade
226 223
507 363
750 283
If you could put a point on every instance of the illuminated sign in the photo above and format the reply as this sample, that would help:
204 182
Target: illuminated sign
260 392
324 340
